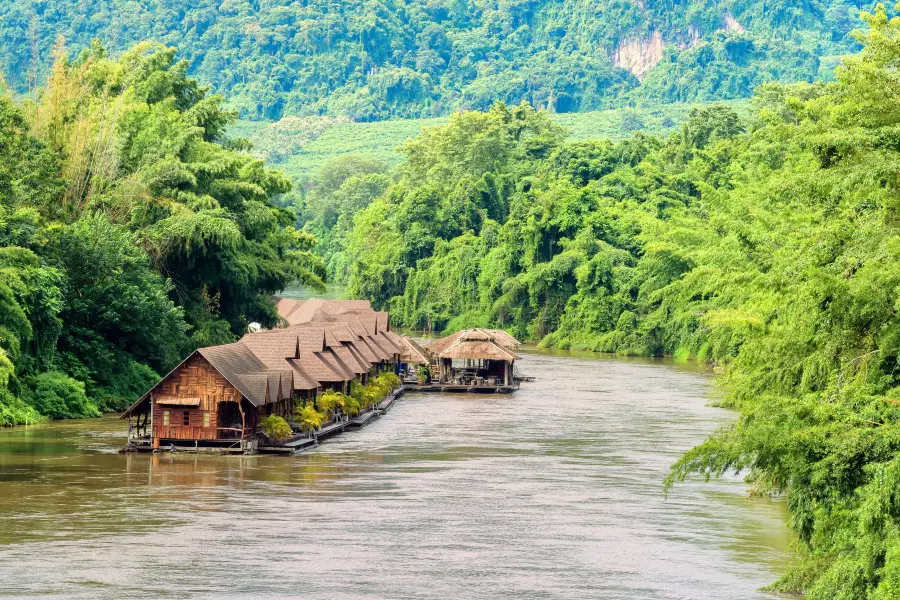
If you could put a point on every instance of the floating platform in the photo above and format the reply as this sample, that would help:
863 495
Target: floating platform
456 388
363 419
331 429
295 445
386 404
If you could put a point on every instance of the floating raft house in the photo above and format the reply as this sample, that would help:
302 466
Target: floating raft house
474 360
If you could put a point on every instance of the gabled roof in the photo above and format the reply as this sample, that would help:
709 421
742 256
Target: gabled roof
392 346
250 375
316 309
383 345
347 357
413 352
274 348
368 319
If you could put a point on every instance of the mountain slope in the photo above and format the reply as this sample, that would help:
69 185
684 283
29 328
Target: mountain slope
379 59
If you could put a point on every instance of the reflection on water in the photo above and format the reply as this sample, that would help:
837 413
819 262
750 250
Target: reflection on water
553 492
332 292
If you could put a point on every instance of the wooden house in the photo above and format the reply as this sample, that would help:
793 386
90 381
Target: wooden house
218 395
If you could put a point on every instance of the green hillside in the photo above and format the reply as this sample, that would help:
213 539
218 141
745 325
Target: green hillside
383 59
299 146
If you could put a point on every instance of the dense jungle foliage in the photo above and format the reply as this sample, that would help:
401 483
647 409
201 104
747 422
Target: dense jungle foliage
380 59
131 231
768 247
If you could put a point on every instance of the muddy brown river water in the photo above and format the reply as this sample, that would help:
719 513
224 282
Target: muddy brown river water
553 492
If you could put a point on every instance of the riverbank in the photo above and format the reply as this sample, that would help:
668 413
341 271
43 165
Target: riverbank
468 496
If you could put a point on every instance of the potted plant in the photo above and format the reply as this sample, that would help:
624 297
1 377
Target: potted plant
424 375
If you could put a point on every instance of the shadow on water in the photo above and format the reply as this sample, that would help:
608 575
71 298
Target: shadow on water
553 492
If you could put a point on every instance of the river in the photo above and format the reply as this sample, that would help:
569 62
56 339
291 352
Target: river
553 492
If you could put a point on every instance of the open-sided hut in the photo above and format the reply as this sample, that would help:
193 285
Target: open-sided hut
475 358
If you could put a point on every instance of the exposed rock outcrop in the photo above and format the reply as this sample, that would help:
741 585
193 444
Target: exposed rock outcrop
639 54
731 23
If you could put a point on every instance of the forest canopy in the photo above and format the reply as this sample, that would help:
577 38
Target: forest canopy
131 232
383 59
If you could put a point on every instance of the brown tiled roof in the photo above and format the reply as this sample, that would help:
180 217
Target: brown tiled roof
245 371
368 319
356 348
316 309
356 325
392 346
330 363
376 349
349 359
312 339
383 345
273 348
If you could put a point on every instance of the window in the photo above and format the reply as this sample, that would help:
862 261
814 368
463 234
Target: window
187 418
206 419
165 417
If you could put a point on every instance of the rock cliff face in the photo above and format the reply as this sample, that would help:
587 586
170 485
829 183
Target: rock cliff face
731 23
639 54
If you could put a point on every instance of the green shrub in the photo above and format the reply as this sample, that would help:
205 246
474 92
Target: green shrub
58 396
309 418
276 427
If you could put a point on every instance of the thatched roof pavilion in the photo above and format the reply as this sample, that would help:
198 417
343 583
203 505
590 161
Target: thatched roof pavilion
485 358
498 336
475 345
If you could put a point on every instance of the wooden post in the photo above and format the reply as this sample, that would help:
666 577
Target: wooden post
243 419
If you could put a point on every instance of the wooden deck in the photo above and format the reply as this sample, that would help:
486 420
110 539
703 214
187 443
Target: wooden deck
145 444
456 388
386 404
363 418
298 444
331 429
